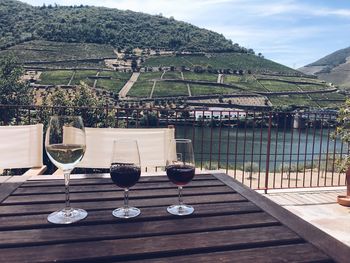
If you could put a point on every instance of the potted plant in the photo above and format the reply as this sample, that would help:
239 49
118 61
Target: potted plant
343 132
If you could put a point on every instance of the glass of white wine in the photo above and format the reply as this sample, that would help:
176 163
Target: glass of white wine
65 145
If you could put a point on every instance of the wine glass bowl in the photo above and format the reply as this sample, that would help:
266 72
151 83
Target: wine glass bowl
65 146
125 172
125 175
180 170
180 174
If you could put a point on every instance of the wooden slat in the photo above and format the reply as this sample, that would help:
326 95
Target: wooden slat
147 214
94 181
121 229
109 187
171 245
337 250
99 205
295 253
6 189
114 195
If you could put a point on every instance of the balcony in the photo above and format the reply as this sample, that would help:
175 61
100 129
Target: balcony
263 150
291 157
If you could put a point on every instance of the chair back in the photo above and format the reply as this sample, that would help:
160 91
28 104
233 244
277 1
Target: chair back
153 144
21 146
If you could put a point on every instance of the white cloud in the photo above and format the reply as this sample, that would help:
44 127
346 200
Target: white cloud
332 12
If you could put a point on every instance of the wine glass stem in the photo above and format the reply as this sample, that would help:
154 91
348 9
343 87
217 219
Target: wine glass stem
126 197
126 201
180 195
66 186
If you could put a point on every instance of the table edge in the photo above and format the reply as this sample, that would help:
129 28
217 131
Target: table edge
334 248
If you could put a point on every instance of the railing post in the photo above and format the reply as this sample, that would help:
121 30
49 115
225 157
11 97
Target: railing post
29 119
17 114
268 154
106 124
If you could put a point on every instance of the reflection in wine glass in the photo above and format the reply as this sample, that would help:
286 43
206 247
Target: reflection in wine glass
180 170
125 172
65 146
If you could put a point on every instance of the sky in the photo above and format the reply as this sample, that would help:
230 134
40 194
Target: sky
291 32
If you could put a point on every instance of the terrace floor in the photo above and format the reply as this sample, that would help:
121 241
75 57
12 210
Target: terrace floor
319 207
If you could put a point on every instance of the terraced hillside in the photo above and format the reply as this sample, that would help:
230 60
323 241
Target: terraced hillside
218 78
108 80
48 54
234 61
268 90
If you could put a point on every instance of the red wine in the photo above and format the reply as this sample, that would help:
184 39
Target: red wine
125 175
180 174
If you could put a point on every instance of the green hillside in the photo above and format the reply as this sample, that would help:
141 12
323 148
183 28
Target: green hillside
333 68
102 47
87 24
334 59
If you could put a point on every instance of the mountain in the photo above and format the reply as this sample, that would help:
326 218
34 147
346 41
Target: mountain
21 22
334 68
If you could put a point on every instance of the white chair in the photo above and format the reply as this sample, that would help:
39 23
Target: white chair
153 144
22 147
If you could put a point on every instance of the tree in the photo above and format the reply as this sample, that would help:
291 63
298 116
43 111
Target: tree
90 107
185 114
198 69
149 119
343 133
12 90
60 99
87 104
134 64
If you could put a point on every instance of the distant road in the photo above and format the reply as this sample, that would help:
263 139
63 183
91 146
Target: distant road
220 78
129 84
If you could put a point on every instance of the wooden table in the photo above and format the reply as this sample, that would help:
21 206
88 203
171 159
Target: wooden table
231 223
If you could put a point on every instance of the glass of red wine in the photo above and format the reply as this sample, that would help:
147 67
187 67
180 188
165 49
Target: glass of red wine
180 170
125 172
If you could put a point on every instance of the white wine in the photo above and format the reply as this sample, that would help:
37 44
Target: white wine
65 144
65 155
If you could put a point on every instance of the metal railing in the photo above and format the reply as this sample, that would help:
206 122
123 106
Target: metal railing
263 150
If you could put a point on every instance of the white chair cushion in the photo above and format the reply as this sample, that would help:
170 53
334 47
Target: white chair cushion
153 145
21 146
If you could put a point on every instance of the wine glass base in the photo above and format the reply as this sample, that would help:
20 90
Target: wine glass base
126 212
180 210
65 217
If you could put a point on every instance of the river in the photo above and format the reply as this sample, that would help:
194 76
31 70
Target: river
249 147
